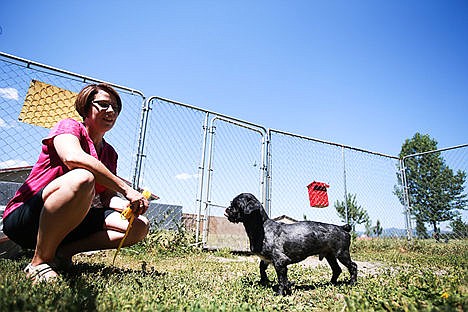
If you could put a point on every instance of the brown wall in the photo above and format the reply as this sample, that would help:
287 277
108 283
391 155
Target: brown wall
216 225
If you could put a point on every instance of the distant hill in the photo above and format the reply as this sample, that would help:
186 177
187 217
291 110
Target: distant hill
395 232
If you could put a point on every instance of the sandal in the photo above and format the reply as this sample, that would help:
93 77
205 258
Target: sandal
41 273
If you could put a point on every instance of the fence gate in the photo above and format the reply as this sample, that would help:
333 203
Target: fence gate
236 164
196 161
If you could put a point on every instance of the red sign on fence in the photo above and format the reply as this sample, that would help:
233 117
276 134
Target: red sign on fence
318 196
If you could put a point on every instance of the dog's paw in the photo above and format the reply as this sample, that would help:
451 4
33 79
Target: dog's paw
291 284
352 282
264 282
282 290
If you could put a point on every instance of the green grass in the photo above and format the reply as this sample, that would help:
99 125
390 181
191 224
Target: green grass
165 273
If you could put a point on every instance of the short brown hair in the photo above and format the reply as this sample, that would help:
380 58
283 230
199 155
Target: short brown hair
85 98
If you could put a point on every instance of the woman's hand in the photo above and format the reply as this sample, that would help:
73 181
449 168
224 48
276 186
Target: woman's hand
138 203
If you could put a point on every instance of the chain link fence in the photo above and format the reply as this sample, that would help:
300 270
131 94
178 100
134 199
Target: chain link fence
197 161
21 140
435 192
33 97
357 179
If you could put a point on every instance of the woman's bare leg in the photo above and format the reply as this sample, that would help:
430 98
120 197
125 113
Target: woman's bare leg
67 200
109 237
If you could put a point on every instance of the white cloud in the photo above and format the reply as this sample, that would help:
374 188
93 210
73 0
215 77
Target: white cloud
12 163
4 124
186 176
9 93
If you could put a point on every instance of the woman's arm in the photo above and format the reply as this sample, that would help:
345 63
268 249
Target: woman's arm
112 200
70 152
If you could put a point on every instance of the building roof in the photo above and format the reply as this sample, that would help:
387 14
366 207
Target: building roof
15 174
285 219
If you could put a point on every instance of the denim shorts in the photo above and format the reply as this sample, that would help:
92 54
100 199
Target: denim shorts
22 224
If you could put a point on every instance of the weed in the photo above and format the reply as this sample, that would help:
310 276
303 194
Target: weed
166 273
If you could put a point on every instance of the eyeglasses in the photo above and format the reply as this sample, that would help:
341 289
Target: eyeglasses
103 106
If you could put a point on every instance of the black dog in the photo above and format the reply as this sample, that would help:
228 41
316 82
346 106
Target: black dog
283 244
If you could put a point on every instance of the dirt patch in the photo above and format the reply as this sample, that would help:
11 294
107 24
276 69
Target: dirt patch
364 268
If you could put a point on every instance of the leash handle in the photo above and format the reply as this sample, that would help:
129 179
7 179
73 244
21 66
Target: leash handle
128 214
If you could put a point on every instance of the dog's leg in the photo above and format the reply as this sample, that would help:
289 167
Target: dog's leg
345 258
263 276
283 283
335 268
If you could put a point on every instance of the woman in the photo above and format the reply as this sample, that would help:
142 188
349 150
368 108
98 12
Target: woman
56 210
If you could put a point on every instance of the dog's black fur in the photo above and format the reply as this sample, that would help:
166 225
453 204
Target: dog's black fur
283 244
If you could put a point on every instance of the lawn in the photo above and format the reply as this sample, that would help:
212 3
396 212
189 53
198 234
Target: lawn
166 273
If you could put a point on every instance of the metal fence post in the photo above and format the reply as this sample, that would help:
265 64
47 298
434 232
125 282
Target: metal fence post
201 172
268 173
344 184
141 143
208 184
404 182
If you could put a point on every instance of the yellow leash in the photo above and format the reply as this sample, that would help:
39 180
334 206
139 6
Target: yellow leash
128 214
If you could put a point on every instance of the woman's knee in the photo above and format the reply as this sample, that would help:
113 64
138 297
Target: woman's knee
140 228
75 183
80 180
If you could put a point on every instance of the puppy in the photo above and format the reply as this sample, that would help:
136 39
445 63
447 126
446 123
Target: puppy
283 244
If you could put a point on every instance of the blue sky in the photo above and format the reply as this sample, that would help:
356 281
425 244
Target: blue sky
367 74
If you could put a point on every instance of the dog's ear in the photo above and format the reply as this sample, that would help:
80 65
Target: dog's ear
251 204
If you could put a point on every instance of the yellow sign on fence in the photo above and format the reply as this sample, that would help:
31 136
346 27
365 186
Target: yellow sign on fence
46 104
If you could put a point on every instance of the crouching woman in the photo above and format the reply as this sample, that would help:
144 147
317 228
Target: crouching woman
69 203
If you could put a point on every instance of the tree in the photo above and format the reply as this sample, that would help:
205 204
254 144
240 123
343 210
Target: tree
377 229
435 191
421 230
356 214
459 228
368 228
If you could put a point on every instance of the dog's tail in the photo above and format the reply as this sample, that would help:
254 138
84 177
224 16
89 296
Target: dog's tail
346 227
